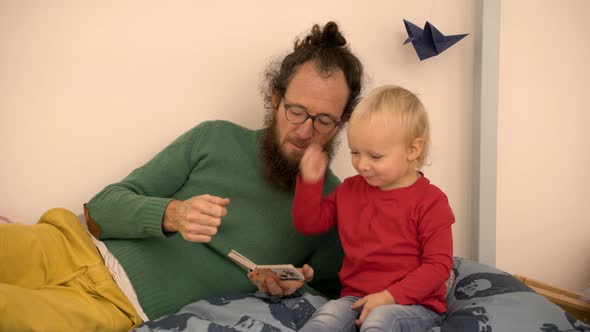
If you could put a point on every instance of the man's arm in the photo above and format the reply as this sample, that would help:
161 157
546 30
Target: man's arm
136 206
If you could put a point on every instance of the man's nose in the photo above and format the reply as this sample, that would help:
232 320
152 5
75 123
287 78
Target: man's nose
305 130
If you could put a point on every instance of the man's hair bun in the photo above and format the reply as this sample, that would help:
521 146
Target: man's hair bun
329 36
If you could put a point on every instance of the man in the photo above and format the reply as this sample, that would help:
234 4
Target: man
166 229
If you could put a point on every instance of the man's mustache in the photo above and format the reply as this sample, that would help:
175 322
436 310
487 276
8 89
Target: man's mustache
300 143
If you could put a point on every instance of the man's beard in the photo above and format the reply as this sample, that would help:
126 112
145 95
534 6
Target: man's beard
278 169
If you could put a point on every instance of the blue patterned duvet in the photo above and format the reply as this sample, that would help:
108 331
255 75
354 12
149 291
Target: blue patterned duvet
482 299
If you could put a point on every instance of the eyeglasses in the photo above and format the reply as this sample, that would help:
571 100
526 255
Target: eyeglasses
322 123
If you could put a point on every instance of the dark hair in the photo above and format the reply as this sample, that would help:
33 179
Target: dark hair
327 48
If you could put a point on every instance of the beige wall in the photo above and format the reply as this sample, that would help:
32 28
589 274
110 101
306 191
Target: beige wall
89 90
543 206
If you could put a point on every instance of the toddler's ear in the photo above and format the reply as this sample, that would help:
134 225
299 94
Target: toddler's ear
415 149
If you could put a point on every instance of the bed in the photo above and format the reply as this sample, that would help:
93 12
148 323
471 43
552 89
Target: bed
481 298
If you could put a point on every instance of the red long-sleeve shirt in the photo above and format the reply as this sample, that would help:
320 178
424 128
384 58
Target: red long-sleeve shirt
399 240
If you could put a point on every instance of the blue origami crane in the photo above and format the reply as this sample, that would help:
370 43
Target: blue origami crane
429 42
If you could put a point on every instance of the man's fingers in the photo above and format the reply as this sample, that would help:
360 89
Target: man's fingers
255 282
201 206
199 219
201 216
214 210
216 200
307 273
201 229
255 279
196 237
273 287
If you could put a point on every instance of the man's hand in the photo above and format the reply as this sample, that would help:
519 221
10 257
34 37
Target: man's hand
275 287
371 302
196 218
313 163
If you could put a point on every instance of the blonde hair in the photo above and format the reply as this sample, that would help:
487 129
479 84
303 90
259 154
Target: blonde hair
393 104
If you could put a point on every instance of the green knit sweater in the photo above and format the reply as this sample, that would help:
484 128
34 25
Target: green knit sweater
217 158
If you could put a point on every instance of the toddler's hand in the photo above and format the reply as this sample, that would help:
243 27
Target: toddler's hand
371 302
313 164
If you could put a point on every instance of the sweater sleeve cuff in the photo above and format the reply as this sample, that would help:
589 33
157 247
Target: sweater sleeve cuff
150 222
399 296
310 186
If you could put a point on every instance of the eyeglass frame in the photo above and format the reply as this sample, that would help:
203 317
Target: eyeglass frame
287 106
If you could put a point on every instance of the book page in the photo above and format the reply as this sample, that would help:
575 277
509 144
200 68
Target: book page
279 271
241 260
283 272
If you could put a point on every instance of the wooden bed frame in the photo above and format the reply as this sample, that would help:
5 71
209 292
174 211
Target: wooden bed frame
566 299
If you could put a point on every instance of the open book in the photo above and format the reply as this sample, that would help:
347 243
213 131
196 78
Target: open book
281 272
